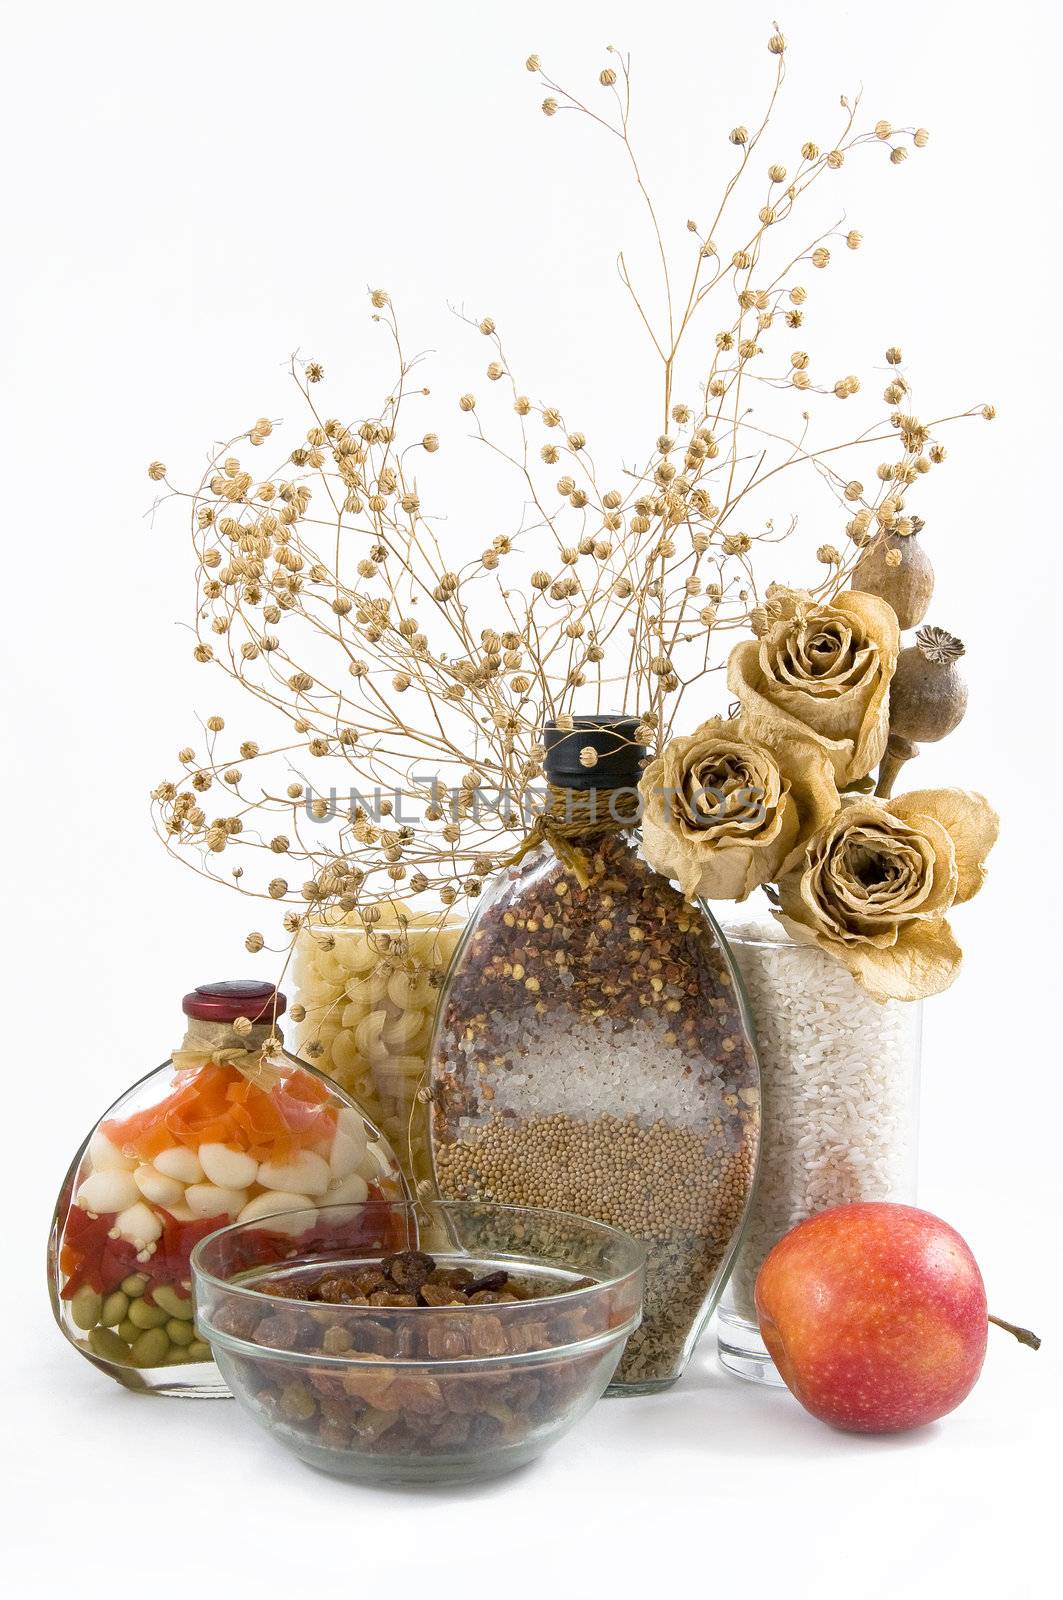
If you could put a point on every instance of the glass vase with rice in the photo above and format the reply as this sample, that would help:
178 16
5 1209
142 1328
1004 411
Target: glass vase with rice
840 1085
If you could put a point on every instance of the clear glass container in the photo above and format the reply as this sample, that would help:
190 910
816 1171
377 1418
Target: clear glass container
401 1388
368 1001
840 1085
593 1053
232 1126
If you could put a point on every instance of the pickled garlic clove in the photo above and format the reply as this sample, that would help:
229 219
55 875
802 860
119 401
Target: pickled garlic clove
275 1201
352 1125
229 1169
352 1190
138 1225
380 1159
157 1187
211 1200
106 1157
304 1173
180 1163
346 1155
108 1191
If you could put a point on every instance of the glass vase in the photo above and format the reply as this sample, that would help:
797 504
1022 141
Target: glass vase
840 1088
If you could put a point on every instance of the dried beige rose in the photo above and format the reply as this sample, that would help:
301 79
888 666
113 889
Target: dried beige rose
873 886
821 669
723 813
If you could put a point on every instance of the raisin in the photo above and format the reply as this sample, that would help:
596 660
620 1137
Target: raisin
453 1277
280 1289
280 1332
325 1382
522 1393
336 1341
409 1269
446 1342
338 1292
369 1280
418 1394
489 1282
388 1297
372 1338
452 1430
297 1404
489 1297
487 1337
372 1386
239 1318
437 1294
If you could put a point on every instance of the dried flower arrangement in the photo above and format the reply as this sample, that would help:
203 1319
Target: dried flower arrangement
327 594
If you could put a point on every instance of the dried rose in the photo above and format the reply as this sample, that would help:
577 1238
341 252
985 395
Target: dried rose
723 814
821 669
873 886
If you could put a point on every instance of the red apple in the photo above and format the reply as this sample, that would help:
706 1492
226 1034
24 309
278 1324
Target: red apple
875 1315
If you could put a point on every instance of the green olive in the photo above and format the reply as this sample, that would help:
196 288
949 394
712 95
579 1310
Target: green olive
151 1349
129 1331
134 1285
85 1307
178 1358
146 1316
179 1332
108 1346
199 1350
173 1303
115 1309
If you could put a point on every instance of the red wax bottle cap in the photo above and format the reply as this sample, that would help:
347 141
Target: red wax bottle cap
235 997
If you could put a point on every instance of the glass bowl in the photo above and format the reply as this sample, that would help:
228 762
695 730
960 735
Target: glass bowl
410 1392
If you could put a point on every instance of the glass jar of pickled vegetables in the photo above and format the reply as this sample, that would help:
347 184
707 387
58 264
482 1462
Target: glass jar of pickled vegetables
594 1052
230 1128
365 1003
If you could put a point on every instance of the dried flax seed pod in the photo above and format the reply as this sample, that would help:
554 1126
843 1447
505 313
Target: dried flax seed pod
907 585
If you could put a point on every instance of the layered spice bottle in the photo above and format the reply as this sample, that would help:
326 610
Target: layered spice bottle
593 1051
230 1128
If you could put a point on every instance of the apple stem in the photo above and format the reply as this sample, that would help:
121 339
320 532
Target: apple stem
1023 1335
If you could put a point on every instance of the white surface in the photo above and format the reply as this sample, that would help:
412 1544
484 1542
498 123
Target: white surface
193 192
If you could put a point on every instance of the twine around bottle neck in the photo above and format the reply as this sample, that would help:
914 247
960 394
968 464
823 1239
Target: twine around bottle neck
573 815
219 1041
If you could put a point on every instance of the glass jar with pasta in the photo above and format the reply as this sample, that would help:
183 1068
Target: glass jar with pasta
365 1009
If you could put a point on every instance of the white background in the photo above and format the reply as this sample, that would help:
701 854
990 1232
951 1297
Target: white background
193 192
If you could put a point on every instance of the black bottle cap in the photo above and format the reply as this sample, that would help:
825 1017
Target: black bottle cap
611 736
